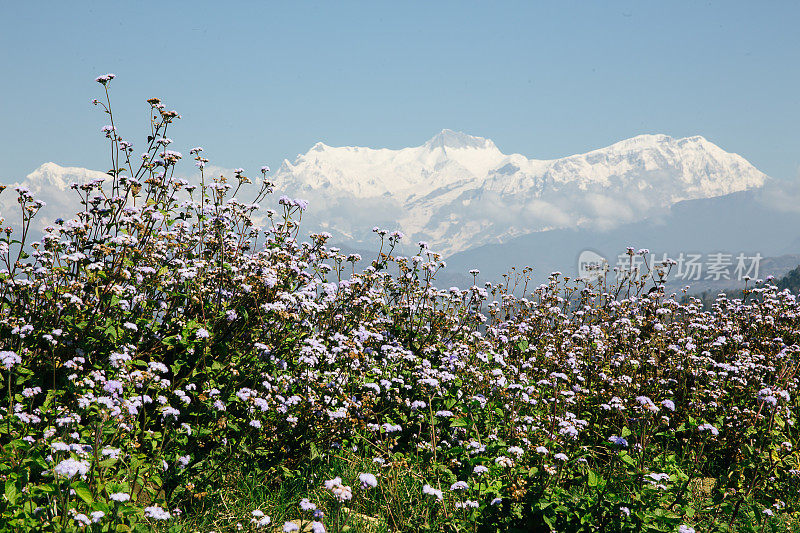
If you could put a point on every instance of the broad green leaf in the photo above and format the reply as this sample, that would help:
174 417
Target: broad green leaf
314 451
83 490
11 491
459 422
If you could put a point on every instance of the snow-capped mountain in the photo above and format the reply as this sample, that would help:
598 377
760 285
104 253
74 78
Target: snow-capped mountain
457 191
51 184
51 178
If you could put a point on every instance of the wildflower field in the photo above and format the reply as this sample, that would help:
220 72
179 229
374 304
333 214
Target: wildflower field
175 359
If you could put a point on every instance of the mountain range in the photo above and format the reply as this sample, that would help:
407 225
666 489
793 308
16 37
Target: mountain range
483 208
458 191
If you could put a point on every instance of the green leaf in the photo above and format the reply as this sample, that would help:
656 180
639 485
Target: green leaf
83 490
11 491
459 422
111 332
101 506
314 452
593 479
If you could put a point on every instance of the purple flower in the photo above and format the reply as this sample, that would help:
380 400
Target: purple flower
708 427
427 489
307 505
9 359
260 519
340 492
658 477
368 481
459 485
467 504
156 513
113 386
504 461
70 468
618 441
105 78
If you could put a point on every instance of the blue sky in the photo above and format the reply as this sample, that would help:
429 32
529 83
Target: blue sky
258 82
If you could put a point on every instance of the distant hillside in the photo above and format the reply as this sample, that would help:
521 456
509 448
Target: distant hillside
745 222
790 280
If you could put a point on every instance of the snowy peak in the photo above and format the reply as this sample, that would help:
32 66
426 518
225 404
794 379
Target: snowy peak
650 143
363 172
684 168
51 184
51 175
658 142
458 191
457 140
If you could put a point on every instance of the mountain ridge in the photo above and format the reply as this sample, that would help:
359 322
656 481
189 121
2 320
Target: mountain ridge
432 191
459 191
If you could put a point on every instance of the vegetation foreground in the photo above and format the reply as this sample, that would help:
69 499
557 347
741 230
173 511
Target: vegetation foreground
172 362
